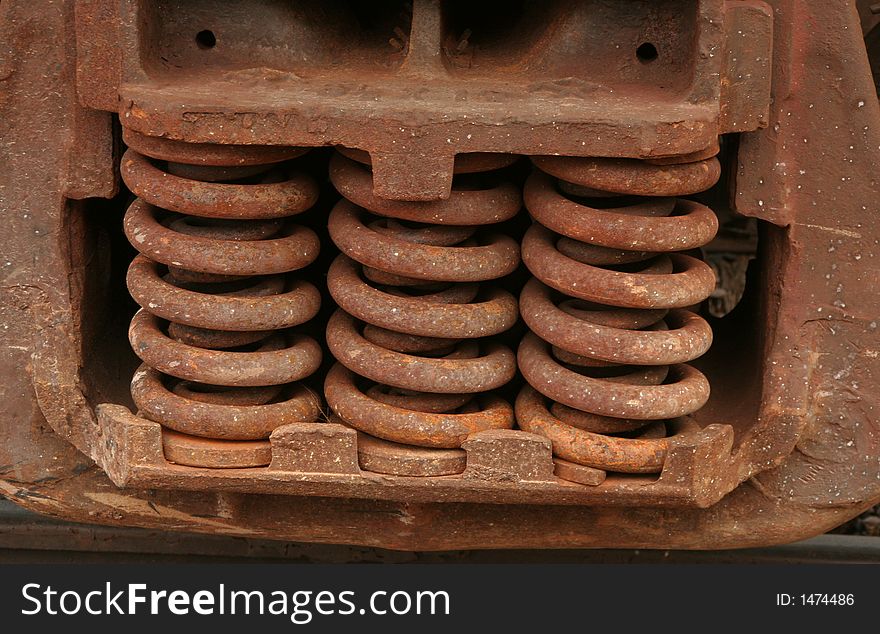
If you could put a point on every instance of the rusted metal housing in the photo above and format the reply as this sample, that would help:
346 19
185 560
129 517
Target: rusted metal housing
788 441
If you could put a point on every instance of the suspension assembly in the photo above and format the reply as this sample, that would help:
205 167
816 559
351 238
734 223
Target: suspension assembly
414 320
420 91
607 307
220 365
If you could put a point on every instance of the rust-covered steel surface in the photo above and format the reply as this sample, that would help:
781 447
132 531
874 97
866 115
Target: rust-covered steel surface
612 355
414 108
214 259
787 444
417 316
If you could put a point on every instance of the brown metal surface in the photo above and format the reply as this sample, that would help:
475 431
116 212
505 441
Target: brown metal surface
405 86
381 456
215 245
611 368
413 281
195 451
26 537
788 443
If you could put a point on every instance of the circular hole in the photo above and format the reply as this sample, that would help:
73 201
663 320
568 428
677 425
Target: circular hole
206 39
646 52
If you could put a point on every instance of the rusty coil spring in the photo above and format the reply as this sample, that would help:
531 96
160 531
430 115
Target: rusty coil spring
413 314
212 227
607 307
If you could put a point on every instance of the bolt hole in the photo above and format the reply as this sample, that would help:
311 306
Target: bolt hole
646 53
206 39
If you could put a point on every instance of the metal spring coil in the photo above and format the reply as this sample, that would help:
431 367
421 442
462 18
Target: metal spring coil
413 317
611 336
220 366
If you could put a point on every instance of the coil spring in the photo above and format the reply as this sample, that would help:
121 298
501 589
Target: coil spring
412 315
212 227
611 355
